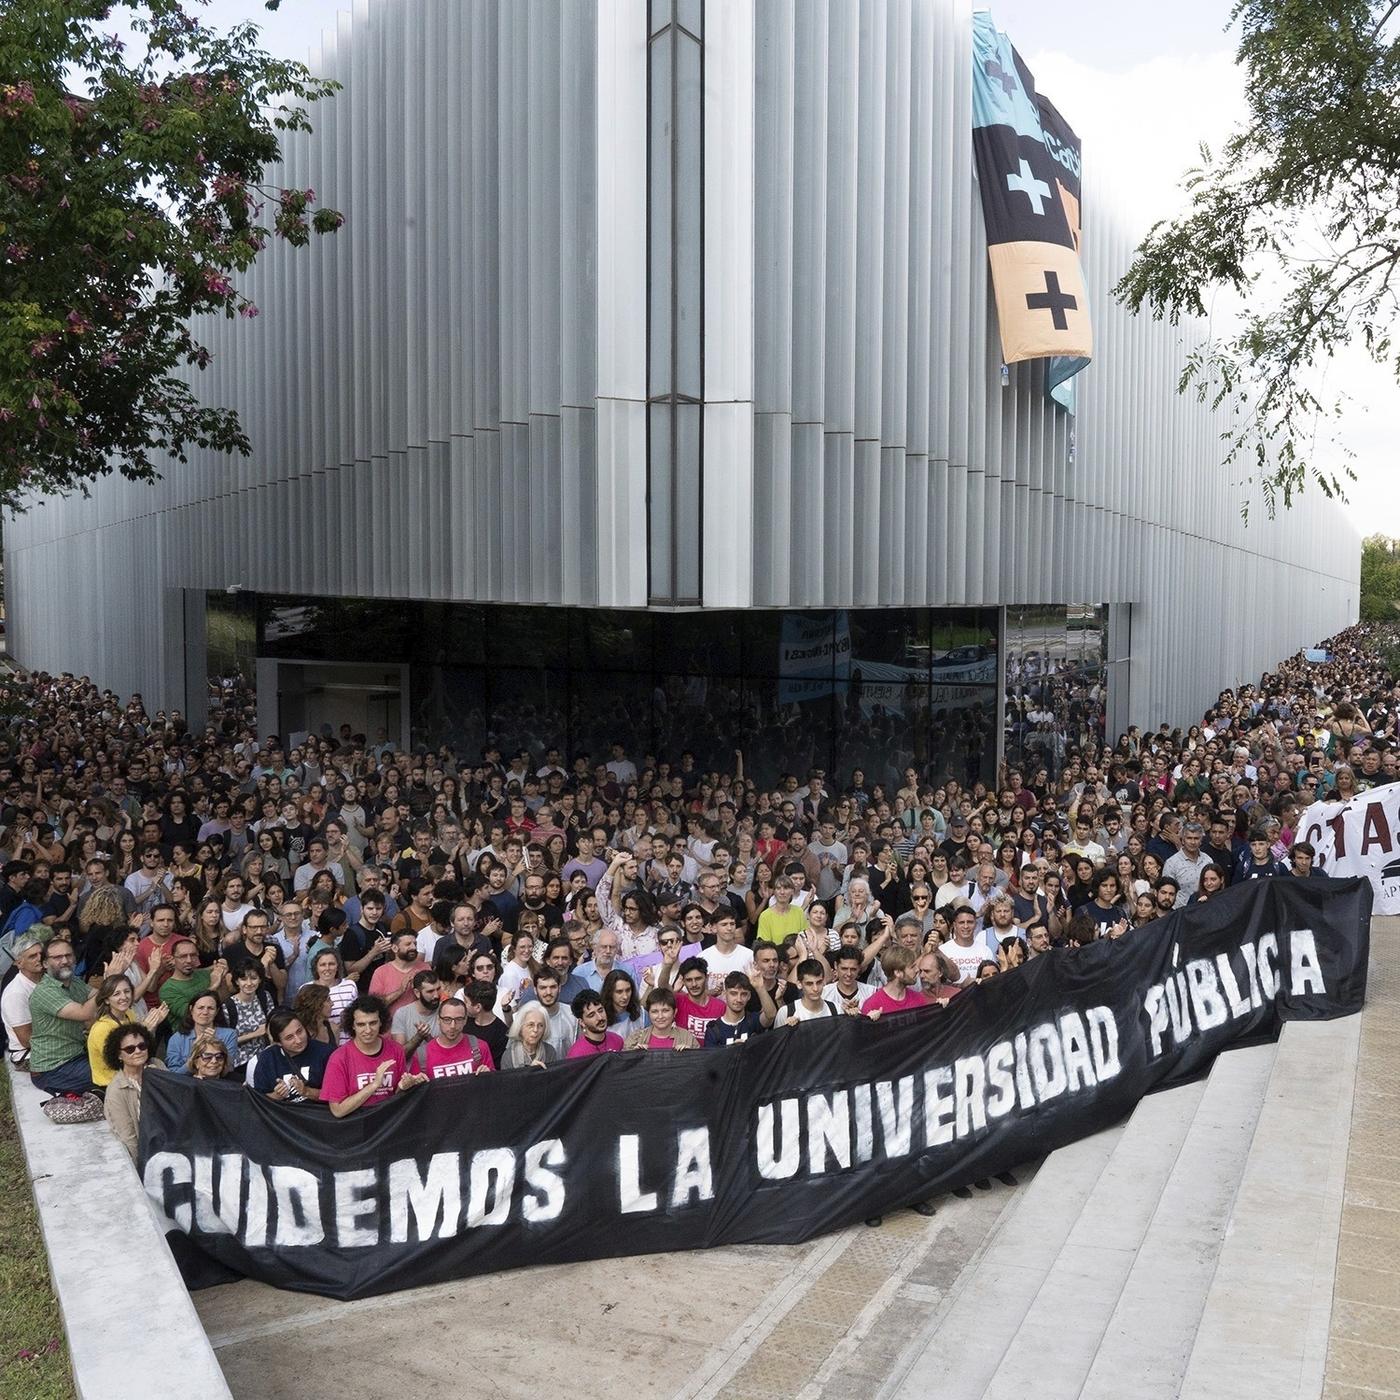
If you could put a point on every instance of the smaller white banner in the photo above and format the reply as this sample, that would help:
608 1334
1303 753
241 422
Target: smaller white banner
1360 837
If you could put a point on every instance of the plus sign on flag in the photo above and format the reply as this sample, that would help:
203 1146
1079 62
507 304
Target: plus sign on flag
1037 191
1040 300
1028 168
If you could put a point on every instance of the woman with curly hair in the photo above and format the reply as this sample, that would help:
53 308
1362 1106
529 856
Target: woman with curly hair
102 927
127 1053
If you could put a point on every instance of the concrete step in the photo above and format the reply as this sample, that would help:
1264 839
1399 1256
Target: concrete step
1055 1345
956 1358
1148 1341
1264 1329
918 1290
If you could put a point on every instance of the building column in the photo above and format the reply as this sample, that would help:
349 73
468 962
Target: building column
1118 704
728 213
195 660
622 303
269 698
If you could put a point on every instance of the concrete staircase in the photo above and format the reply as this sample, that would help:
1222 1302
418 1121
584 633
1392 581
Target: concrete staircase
1189 1252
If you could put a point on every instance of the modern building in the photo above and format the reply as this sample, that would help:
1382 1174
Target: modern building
652 391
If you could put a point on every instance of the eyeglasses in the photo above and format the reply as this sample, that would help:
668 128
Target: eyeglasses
670 942
209 1056
919 898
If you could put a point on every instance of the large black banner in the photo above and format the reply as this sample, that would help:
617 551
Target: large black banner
774 1140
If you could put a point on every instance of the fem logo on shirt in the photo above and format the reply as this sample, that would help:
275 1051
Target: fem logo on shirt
454 1069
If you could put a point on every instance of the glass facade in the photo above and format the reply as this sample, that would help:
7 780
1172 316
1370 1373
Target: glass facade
1056 684
230 638
794 690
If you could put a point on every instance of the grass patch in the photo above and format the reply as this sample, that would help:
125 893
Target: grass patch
33 1349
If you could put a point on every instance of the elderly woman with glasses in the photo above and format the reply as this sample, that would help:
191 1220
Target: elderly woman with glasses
129 1051
208 1060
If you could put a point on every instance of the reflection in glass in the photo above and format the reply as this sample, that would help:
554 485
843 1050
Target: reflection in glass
449 707
1056 688
697 642
605 639
610 709
835 690
789 729
526 709
335 629
231 639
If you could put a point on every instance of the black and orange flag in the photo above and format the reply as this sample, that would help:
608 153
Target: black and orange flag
1028 166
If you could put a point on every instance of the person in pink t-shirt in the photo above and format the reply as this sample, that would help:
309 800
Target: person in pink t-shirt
393 980
369 1067
594 1037
452 1053
899 993
695 1007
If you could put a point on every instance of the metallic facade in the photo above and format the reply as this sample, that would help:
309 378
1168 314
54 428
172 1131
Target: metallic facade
656 301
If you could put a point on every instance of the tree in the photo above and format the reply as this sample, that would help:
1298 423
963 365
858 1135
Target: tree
1300 214
1380 579
131 200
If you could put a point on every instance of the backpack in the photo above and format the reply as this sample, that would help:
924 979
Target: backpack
9 934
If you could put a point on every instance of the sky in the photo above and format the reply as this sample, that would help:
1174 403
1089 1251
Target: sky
1143 84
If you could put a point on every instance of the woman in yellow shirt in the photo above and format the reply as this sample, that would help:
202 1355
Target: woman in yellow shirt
114 1008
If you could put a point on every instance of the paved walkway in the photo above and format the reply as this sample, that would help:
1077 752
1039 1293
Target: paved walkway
746 1323
1363 1358
833 1319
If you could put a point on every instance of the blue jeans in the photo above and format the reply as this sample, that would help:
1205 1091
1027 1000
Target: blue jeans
71 1077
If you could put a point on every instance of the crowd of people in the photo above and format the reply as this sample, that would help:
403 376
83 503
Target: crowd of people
336 923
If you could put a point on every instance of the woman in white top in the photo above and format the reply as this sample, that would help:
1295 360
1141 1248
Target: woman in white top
518 974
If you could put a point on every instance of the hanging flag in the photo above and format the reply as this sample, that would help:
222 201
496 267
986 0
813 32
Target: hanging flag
1028 166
